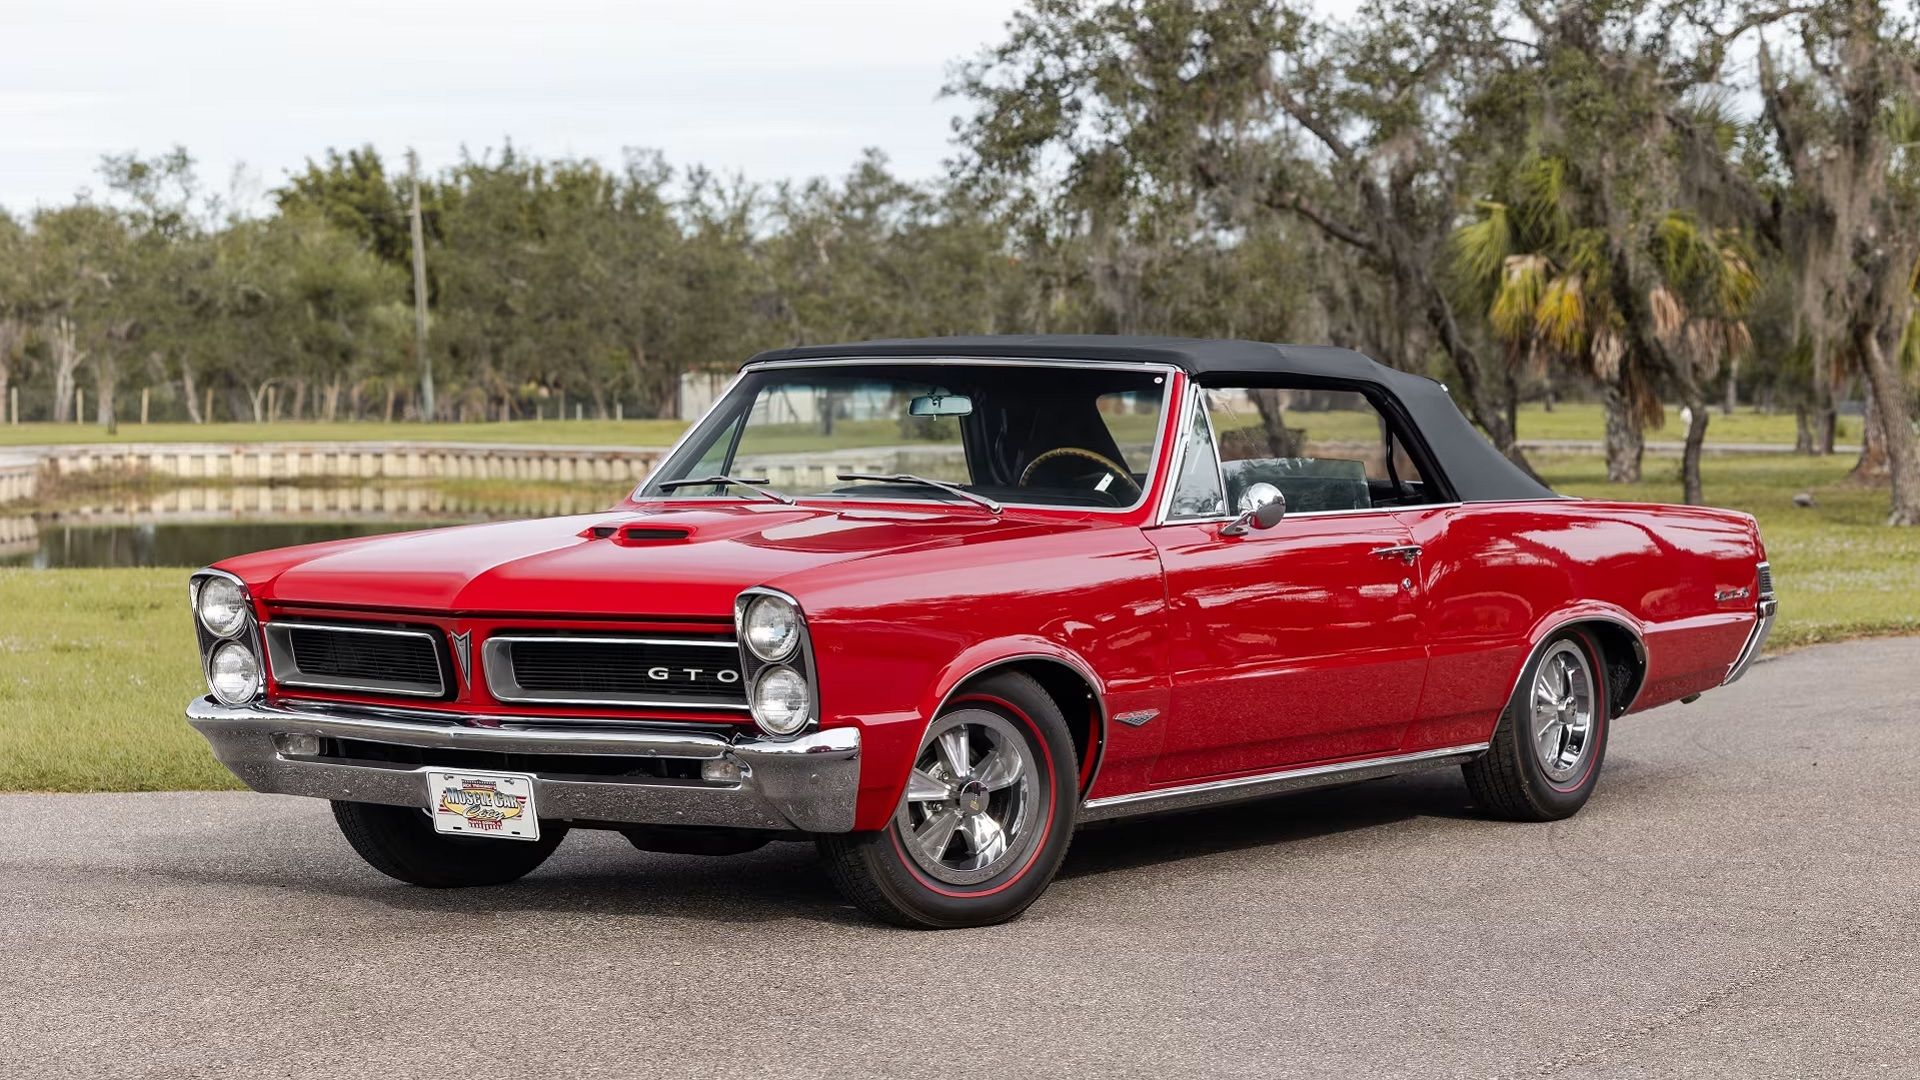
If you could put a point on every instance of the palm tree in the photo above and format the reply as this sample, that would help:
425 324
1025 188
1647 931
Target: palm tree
1543 284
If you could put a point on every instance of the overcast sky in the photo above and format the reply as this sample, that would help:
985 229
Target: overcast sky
771 88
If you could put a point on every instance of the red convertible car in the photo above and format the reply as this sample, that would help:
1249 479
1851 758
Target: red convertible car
933 604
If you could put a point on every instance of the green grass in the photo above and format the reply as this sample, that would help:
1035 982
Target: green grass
95 668
1567 421
96 665
1580 420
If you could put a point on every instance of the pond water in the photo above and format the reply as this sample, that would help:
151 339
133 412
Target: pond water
192 527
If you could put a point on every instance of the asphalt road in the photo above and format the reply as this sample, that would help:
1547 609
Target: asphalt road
1741 898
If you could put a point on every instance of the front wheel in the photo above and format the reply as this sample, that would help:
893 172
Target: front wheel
985 820
1547 749
400 842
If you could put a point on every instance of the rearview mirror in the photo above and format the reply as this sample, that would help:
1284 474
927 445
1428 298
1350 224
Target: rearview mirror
1264 516
941 405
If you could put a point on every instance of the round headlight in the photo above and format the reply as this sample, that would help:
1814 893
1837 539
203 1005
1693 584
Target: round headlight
780 700
772 628
222 607
233 673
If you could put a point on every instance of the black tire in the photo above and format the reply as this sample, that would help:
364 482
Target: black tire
1510 781
400 842
874 871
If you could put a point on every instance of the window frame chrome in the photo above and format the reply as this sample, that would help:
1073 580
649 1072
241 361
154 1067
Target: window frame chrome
1167 372
1163 514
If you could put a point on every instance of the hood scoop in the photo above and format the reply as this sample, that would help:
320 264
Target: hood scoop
637 534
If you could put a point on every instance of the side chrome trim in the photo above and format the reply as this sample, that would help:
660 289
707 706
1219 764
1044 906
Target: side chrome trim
287 672
1214 792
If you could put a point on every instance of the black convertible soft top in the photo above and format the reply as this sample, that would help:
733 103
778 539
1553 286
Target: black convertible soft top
1477 471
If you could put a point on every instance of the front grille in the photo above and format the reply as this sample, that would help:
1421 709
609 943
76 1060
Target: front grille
615 670
369 659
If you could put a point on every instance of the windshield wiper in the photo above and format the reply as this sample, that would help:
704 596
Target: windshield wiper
751 483
909 478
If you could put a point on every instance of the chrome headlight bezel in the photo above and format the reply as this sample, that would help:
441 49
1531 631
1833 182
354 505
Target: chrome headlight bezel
246 635
219 585
798 658
254 675
754 615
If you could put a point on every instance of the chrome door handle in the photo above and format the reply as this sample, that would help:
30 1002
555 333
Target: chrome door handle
1404 552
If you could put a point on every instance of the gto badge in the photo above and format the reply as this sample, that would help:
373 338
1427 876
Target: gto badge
463 655
1135 719
1740 593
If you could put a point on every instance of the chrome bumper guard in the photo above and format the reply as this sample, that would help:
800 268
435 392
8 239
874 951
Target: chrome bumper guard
1756 640
808 783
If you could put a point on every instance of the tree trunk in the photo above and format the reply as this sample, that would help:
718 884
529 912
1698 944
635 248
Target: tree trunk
1626 440
1733 385
1802 430
1872 467
65 347
1690 456
1896 425
1825 422
1282 442
106 382
13 335
333 400
187 390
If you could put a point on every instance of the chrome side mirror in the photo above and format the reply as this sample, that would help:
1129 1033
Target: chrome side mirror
1263 514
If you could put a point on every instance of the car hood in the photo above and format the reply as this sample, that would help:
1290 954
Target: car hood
630 562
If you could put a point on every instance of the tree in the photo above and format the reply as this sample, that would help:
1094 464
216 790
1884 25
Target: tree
1172 118
1843 106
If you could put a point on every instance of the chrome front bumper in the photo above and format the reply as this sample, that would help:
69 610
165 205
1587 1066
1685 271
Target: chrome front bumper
807 783
1756 640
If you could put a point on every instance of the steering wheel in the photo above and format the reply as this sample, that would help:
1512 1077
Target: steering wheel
1114 468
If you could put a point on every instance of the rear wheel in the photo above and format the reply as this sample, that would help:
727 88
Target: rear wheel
984 822
1547 750
400 842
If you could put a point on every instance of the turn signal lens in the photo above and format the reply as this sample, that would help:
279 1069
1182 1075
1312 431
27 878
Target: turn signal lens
221 606
771 627
780 701
233 673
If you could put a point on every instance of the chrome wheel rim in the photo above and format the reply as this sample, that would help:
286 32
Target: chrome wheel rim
1562 711
972 804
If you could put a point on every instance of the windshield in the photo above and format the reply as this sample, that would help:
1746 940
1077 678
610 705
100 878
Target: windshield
1053 435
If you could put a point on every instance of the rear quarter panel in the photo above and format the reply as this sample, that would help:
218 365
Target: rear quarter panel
1501 577
894 634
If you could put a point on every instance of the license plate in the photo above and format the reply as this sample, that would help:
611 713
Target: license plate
483 804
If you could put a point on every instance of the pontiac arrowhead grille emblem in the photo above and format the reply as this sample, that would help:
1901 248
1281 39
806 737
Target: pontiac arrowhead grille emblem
463 655
1135 719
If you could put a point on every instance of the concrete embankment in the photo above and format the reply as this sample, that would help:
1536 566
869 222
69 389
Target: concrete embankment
22 469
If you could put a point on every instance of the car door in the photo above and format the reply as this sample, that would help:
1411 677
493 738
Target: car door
1291 644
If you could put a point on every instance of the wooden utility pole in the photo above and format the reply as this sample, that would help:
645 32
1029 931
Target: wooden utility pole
420 292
